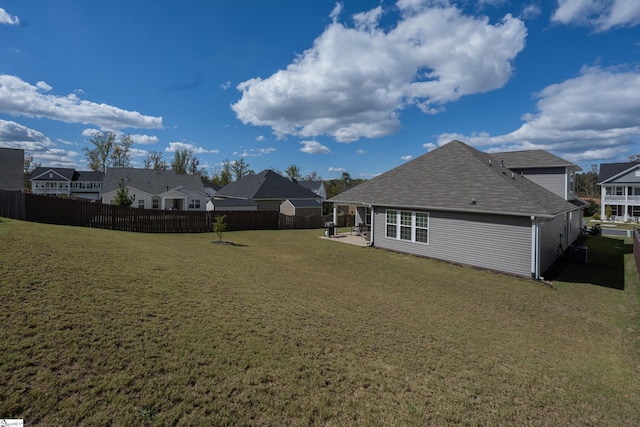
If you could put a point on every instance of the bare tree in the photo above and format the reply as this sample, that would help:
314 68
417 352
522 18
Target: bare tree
155 161
100 156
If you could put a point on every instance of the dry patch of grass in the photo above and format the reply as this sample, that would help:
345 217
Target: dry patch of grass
101 328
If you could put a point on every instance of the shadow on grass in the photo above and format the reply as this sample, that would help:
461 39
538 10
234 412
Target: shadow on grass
604 267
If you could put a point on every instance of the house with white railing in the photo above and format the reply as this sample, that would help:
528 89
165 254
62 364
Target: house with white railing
66 182
620 191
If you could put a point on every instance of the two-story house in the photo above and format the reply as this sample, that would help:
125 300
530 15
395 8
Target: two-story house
66 182
620 191
510 212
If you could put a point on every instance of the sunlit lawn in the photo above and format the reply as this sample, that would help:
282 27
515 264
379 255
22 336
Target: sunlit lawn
112 328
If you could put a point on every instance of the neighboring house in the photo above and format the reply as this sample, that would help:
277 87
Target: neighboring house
231 205
211 190
267 188
156 189
11 169
620 190
301 207
461 205
315 186
66 182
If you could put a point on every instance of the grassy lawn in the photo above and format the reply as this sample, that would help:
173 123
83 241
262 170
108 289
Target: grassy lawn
113 328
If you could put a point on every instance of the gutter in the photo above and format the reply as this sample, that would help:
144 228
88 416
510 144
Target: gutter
547 217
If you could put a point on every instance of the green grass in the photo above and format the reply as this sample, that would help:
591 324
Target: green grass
112 328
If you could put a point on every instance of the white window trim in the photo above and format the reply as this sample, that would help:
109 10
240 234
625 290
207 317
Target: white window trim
413 226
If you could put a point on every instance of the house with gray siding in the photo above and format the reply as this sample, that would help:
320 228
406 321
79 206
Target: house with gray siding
11 169
461 205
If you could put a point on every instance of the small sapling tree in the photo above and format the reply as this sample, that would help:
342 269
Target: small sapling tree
122 195
220 226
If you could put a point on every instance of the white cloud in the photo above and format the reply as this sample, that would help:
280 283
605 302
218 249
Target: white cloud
6 18
226 85
144 139
361 152
602 15
431 146
256 152
179 146
20 98
260 138
314 147
354 81
592 116
406 157
33 142
530 11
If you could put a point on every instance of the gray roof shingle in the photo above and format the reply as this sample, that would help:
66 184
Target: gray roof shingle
150 181
532 159
265 185
609 170
457 177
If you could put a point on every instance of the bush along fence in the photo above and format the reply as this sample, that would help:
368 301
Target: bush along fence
85 213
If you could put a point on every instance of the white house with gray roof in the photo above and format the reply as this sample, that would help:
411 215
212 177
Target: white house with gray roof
461 205
156 189
620 191
51 181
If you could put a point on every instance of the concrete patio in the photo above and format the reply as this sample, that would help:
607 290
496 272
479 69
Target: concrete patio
351 238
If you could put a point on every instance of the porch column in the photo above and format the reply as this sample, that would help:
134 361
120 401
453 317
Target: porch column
372 226
335 214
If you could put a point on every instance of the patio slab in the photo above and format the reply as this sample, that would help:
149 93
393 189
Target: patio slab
349 238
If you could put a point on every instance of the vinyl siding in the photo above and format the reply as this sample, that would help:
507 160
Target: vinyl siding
632 177
553 179
551 242
494 242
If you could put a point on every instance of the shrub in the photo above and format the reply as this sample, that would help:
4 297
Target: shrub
596 230
596 216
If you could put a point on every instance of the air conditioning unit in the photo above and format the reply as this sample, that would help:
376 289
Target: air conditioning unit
578 254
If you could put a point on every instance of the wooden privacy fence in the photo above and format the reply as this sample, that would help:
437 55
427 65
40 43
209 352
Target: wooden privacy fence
85 213
12 204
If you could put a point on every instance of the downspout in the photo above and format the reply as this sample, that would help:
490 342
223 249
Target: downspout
535 248
335 214
372 225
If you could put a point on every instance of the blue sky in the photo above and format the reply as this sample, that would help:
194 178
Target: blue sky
353 86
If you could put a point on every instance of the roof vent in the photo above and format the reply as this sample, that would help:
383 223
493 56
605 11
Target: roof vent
473 201
489 162
502 163
513 175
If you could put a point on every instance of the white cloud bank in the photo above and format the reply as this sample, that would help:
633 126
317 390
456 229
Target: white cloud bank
590 117
20 98
356 79
314 147
602 15
6 18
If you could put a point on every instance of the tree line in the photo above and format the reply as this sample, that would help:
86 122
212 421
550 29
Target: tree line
109 151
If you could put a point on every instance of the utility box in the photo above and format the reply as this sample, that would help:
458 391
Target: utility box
578 254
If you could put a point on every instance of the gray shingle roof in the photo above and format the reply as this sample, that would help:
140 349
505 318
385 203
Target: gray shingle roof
609 170
66 173
149 180
265 185
532 159
460 178
306 203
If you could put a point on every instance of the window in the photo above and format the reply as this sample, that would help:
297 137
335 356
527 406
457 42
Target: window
392 221
141 204
619 191
410 226
194 203
155 203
